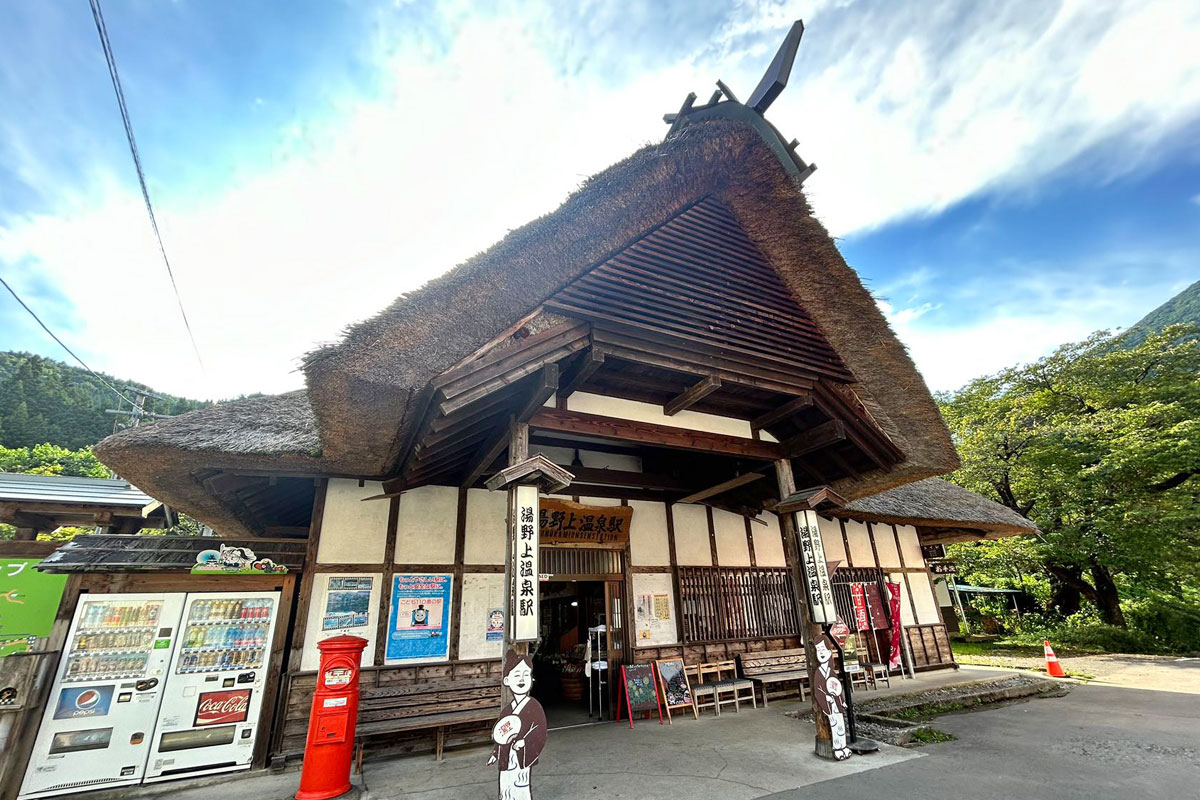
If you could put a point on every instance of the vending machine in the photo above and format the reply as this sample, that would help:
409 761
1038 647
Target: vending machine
104 705
210 709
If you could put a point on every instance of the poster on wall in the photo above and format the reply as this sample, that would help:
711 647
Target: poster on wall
494 629
347 603
28 603
419 622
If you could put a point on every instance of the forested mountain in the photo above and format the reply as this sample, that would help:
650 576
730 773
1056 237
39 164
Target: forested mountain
43 400
1183 307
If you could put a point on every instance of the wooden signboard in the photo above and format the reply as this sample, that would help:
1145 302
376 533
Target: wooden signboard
640 691
676 690
570 524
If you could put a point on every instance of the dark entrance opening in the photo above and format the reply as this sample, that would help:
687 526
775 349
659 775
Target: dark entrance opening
569 610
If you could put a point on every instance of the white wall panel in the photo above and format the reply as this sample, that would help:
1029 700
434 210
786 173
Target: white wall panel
648 542
768 541
885 545
353 531
692 548
588 403
831 540
650 591
860 544
427 525
732 550
487 521
481 594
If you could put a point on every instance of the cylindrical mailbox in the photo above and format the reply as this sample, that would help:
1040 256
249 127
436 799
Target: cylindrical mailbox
330 747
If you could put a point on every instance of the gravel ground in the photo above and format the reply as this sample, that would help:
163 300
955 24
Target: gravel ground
1163 673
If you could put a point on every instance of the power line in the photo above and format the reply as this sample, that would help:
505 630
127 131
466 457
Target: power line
102 30
62 344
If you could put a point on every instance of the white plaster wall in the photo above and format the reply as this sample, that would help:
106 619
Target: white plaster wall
927 606
600 501
650 631
831 540
691 536
310 656
942 592
860 544
480 594
353 531
906 614
588 403
768 541
648 543
427 524
732 550
885 545
910 546
487 521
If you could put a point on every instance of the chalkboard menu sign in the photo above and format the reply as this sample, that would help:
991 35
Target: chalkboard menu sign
641 691
676 691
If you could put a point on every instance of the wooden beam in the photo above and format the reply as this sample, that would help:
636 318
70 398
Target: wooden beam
616 477
788 409
546 386
586 367
465 398
646 433
723 486
692 395
815 438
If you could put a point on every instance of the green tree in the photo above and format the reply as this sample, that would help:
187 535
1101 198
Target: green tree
1099 444
50 459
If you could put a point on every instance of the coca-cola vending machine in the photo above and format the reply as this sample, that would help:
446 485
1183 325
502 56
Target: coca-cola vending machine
208 720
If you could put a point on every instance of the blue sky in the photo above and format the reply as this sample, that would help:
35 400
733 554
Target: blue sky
1004 178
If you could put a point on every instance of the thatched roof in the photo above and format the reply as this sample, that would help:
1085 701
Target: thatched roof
363 394
164 458
935 503
383 364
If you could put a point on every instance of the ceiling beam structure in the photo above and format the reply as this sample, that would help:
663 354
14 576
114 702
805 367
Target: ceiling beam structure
543 390
692 395
723 486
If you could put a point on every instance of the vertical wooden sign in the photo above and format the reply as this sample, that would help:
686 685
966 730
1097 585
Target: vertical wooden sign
818 590
525 566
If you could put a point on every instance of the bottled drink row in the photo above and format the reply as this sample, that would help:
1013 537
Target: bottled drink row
115 640
229 610
84 667
98 616
225 635
220 660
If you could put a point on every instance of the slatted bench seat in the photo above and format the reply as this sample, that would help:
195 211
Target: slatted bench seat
774 667
437 706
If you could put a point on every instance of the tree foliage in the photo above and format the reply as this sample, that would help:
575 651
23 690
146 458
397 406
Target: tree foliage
1099 444
50 459
43 400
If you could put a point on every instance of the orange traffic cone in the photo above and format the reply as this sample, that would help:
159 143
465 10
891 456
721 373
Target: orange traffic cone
1053 668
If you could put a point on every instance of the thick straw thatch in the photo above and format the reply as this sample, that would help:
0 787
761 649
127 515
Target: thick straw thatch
935 503
366 391
275 432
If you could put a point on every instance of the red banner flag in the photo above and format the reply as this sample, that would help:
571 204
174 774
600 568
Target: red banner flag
894 605
861 621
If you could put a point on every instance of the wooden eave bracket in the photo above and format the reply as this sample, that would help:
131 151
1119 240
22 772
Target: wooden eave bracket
813 498
537 470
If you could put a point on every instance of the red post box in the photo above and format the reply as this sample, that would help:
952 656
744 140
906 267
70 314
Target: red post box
330 747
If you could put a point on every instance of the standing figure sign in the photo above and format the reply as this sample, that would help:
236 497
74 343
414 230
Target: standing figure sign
520 734
831 698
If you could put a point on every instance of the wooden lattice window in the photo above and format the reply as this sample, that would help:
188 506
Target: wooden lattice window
723 603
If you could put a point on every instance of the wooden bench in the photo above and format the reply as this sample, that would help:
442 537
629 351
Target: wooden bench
439 706
774 667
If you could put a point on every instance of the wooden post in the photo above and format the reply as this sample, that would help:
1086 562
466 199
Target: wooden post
809 630
518 450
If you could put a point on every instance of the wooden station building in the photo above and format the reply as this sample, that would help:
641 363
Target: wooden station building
681 336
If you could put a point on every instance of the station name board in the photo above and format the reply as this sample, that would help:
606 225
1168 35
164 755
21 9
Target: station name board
563 522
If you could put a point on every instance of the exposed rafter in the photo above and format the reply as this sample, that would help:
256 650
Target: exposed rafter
692 395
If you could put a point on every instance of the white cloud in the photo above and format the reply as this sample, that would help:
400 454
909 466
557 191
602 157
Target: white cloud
907 109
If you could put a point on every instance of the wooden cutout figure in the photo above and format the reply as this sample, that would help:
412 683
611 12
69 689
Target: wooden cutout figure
520 734
831 698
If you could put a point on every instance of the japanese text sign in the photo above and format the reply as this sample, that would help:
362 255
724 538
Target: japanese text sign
567 523
525 565
817 589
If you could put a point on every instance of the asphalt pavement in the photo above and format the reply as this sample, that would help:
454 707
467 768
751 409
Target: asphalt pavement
1096 743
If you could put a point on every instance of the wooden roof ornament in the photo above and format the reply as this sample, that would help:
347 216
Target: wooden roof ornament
814 498
539 470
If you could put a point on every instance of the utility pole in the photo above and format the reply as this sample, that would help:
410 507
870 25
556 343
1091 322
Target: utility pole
132 417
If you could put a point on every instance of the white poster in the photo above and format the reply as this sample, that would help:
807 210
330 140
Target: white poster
342 603
818 590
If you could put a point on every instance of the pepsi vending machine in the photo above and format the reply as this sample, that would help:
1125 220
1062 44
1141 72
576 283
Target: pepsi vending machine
103 709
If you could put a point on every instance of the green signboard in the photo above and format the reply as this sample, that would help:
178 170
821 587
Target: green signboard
28 603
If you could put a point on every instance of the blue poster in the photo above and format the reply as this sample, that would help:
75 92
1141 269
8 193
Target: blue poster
419 623
83 701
